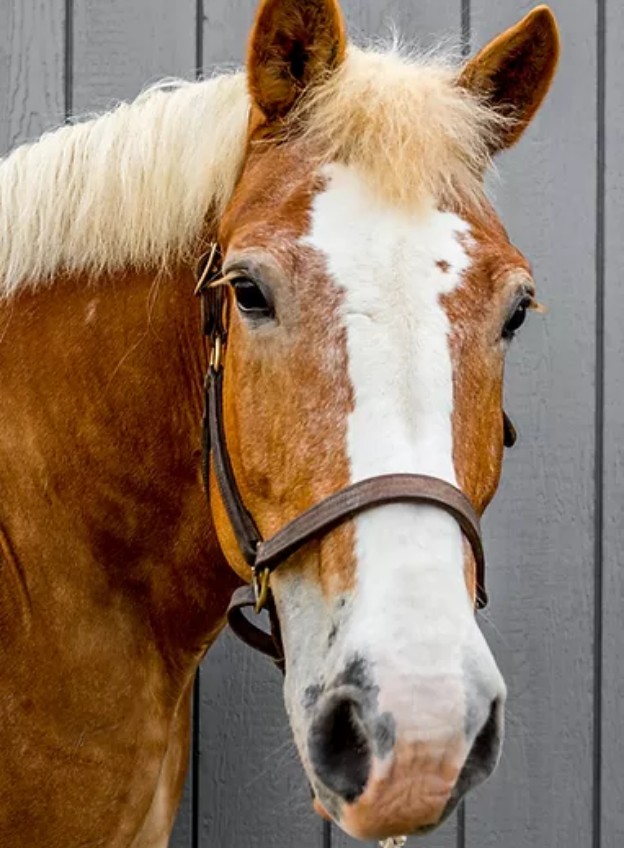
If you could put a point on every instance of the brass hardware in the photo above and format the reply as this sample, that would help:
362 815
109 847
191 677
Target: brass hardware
217 353
261 588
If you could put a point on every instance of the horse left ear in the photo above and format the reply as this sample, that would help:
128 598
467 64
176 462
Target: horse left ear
514 71
293 44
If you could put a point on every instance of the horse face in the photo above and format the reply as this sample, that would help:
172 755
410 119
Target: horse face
367 336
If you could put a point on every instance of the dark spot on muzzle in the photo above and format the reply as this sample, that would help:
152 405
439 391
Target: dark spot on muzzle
384 735
311 696
356 673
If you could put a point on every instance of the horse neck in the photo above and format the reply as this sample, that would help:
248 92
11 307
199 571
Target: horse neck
99 457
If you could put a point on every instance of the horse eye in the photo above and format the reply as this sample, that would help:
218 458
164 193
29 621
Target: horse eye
250 298
516 320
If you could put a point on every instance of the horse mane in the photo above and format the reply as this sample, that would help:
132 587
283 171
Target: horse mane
133 187
137 185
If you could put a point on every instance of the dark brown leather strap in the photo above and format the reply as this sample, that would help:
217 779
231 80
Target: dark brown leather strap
269 644
247 534
335 510
367 494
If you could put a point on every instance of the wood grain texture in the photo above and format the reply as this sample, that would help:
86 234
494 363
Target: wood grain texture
253 790
226 27
121 46
613 484
424 23
540 532
31 69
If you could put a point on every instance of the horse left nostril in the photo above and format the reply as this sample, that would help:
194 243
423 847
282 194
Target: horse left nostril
339 746
483 755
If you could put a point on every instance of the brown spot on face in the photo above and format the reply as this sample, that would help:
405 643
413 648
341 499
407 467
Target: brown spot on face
443 265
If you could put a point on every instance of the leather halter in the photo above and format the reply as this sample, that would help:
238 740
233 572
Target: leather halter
264 556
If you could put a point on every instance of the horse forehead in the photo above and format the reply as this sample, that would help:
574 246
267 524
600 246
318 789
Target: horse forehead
381 252
371 246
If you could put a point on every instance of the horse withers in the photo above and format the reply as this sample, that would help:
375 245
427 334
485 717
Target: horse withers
372 293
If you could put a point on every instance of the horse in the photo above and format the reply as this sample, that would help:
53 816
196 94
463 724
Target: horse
367 293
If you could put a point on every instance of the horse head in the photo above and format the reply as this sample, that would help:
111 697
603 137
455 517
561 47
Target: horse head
373 293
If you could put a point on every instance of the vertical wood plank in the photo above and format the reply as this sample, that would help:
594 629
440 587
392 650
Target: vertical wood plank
540 531
226 27
253 789
612 768
31 69
121 46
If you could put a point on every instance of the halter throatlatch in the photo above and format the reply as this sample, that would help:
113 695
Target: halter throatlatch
264 556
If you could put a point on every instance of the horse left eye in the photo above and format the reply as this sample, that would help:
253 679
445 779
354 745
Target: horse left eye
250 298
516 320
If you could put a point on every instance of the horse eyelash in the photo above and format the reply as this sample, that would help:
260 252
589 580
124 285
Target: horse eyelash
536 306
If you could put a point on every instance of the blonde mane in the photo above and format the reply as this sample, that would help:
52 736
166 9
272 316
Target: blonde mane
135 187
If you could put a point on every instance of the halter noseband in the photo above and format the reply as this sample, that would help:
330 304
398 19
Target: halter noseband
265 555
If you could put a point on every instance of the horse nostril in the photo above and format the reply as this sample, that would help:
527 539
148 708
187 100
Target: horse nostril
483 755
339 748
485 746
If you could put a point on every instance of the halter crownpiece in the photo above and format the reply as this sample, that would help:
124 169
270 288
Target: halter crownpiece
264 556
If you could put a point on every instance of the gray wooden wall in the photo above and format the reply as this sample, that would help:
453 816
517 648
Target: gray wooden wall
554 535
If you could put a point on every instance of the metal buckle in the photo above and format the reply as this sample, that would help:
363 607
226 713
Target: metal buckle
261 588
216 354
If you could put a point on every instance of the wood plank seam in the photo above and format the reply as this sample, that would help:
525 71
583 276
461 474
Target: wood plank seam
599 419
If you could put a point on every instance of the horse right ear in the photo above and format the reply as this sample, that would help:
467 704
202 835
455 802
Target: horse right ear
293 44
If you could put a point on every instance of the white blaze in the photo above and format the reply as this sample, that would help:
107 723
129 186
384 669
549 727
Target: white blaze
411 614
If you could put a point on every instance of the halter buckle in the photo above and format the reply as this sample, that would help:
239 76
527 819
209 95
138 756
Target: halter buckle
216 354
261 588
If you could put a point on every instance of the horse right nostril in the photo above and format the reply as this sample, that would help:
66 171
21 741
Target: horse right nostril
338 746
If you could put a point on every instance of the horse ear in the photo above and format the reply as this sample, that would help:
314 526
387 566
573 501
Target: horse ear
514 71
293 43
